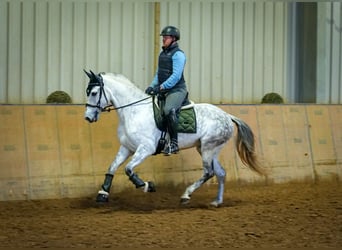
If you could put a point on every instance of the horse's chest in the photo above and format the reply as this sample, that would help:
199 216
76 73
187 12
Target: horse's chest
127 141
130 134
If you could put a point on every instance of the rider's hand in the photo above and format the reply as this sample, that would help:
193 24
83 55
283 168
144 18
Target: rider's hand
149 90
156 90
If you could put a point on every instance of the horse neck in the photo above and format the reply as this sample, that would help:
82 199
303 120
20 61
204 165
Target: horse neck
124 93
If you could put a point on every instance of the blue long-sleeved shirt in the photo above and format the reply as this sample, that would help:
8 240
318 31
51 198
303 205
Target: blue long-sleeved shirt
178 63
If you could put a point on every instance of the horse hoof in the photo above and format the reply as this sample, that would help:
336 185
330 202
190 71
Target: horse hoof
149 187
215 204
102 198
184 201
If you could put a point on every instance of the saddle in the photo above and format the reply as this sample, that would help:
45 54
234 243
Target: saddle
186 119
186 116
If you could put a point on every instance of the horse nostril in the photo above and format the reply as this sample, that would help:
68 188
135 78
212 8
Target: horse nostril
88 119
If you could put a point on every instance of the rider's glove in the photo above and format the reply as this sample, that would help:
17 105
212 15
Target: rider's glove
153 91
149 90
156 90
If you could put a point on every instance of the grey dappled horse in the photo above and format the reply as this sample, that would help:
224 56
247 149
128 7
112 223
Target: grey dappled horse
139 135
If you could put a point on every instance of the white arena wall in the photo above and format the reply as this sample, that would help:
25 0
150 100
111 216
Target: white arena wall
237 51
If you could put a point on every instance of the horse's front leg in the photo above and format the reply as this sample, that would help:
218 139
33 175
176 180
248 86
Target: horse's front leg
121 156
139 156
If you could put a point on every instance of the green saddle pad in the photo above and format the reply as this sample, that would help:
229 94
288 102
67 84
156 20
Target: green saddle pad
186 120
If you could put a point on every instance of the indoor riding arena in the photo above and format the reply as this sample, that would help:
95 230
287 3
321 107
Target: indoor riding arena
53 163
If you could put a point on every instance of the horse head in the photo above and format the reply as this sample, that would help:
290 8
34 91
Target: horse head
97 100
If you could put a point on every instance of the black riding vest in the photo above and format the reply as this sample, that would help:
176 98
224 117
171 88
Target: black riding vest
165 65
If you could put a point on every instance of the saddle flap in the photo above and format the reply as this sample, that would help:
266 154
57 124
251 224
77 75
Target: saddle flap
186 119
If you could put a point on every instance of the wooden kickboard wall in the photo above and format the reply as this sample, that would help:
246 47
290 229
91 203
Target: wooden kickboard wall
50 151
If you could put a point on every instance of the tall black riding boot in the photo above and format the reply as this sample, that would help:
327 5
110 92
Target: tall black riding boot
172 123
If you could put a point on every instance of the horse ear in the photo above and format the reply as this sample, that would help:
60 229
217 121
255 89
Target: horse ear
88 74
92 73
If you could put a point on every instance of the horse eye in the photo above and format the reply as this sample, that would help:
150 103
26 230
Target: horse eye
94 93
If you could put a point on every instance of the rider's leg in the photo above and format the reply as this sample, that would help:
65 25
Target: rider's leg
172 124
173 103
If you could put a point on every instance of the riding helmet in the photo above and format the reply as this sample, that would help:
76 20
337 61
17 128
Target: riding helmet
171 31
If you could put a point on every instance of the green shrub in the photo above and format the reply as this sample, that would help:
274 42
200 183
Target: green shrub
272 98
58 97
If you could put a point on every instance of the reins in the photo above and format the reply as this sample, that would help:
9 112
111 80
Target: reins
98 81
108 108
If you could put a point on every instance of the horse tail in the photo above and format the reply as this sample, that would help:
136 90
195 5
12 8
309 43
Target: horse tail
245 145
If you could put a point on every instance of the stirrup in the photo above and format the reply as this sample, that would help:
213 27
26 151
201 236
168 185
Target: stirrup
171 148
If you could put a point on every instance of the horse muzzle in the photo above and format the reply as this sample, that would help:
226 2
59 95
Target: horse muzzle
91 115
91 120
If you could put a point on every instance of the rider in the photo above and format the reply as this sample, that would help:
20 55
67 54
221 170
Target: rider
169 80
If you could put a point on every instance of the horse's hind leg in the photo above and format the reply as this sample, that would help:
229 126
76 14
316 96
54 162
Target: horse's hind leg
221 178
220 173
211 167
189 190
208 172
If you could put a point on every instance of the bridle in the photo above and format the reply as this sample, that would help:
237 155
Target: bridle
98 81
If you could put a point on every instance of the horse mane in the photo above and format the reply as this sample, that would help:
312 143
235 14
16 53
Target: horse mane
118 77
123 79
